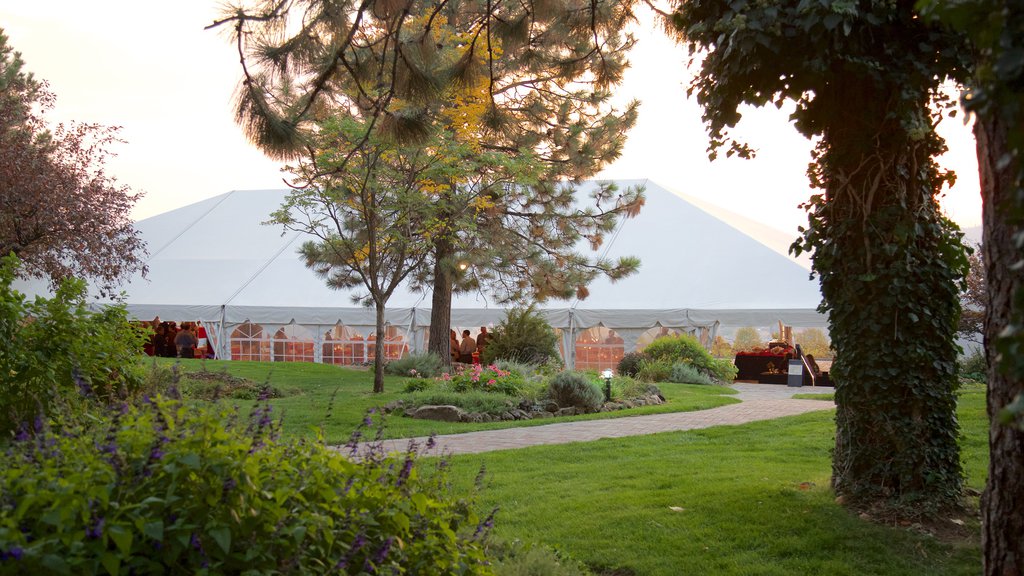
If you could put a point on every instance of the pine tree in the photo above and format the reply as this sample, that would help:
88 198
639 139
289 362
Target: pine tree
528 81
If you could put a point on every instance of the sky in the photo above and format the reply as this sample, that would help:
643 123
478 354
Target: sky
153 70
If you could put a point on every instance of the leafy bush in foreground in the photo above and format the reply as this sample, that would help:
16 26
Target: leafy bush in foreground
162 488
59 355
573 389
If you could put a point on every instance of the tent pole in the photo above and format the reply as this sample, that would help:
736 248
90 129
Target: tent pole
570 346
224 347
413 334
318 349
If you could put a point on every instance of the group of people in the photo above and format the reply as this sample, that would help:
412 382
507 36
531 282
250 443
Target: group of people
465 350
168 340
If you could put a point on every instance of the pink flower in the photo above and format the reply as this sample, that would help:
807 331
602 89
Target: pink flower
446 376
492 382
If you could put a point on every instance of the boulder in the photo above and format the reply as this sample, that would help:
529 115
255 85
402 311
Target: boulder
570 411
440 413
551 406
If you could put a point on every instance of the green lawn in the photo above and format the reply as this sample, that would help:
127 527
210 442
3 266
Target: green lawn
347 393
751 499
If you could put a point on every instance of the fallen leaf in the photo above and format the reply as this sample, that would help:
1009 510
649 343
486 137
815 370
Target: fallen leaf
676 509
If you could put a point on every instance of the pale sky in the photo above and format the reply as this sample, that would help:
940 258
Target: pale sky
152 69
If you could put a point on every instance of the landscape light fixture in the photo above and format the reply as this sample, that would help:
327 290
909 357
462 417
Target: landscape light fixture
607 374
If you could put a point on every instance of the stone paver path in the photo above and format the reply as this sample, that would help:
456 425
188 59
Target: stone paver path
759 402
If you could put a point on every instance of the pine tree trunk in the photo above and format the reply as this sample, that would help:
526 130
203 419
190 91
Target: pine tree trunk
1002 507
441 301
378 356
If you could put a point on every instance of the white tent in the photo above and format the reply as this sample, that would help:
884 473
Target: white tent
216 262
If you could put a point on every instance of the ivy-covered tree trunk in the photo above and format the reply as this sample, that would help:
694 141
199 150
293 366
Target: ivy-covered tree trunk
441 300
1002 506
378 350
888 263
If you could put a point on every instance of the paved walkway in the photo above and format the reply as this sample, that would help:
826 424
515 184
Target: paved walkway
758 402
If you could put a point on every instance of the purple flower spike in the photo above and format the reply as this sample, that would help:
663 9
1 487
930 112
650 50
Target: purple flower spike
383 552
96 530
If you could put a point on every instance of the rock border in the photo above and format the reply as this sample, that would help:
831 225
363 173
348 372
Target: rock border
525 410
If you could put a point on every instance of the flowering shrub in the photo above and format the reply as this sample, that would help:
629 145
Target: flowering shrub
165 488
488 379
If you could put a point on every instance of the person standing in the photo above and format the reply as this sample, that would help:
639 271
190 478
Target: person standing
482 340
453 345
185 341
467 348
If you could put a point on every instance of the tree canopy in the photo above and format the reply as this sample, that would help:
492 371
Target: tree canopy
60 212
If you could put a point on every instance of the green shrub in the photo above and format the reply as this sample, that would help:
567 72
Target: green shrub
165 488
573 389
526 370
684 373
470 401
686 348
629 365
654 371
631 388
974 366
207 385
419 365
59 355
523 336
724 369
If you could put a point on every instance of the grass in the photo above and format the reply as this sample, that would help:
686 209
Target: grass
347 394
742 500
751 499
829 397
